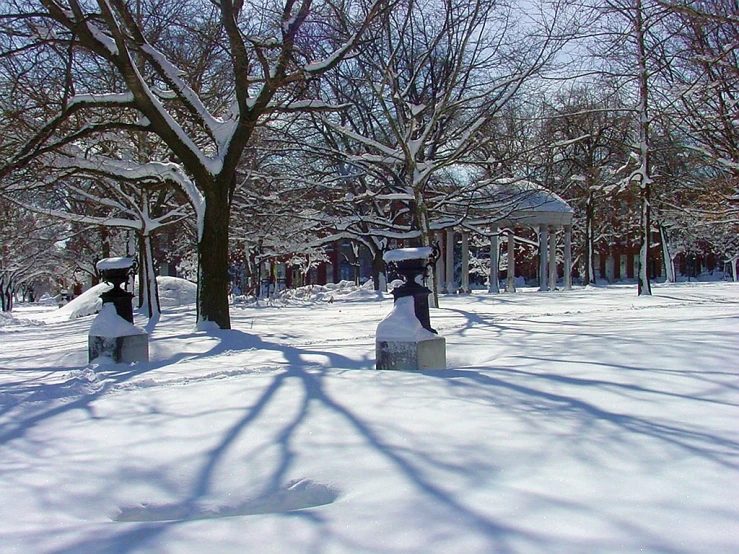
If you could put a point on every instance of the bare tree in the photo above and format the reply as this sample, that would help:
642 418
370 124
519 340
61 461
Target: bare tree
421 95
198 76
587 130
634 44
705 86
706 75
28 250
439 73
140 207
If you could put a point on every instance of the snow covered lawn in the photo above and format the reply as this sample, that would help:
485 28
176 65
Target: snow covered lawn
589 421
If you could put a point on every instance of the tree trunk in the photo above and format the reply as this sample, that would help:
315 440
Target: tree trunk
6 294
356 263
105 243
666 255
431 284
379 277
212 305
511 261
150 290
494 276
589 240
643 286
645 171
426 239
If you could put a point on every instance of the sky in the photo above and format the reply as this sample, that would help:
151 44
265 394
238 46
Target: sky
583 421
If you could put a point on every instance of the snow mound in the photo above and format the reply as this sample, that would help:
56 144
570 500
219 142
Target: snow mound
343 291
87 303
47 300
7 320
296 495
174 291
80 382
75 384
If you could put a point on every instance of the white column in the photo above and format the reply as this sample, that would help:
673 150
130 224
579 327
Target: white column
440 282
568 258
449 273
493 285
465 287
552 258
510 285
543 240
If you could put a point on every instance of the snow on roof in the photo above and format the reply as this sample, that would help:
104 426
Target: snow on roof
400 254
523 196
514 201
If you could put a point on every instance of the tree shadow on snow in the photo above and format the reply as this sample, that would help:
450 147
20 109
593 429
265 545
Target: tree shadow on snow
28 402
155 521
543 401
521 393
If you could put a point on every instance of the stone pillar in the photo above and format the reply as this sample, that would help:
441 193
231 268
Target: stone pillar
440 281
494 280
552 258
449 272
543 240
511 281
568 257
465 287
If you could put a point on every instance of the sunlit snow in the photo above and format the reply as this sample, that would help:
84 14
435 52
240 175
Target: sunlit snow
570 422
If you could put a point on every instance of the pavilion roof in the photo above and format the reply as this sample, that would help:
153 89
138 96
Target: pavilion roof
507 202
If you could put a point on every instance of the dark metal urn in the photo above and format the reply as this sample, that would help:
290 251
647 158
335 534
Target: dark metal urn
411 264
116 271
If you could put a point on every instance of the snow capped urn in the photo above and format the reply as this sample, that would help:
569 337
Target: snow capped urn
404 339
115 271
112 334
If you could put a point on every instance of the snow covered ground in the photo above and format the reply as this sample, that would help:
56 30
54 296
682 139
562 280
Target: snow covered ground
588 421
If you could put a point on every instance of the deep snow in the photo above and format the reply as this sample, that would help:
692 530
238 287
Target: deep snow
584 421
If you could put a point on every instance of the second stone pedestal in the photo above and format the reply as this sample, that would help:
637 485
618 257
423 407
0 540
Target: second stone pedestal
121 350
411 355
112 337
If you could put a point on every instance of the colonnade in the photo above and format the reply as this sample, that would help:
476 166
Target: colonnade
547 259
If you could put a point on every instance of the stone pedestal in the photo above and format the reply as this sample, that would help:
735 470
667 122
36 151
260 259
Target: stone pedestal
405 339
127 349
114 338
411 355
